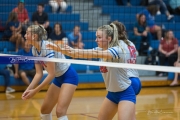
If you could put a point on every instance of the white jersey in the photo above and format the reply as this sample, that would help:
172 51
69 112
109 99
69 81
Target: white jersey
60 68
131 57
117 79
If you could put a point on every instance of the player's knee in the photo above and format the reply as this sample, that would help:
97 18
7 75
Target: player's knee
60 111
45 110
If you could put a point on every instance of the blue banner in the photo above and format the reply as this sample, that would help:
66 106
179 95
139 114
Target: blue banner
15 60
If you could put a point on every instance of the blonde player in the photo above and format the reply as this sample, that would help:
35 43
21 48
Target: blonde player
121 95
131 50
63 86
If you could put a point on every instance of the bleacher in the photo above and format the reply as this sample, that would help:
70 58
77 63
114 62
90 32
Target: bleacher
127 15
69 19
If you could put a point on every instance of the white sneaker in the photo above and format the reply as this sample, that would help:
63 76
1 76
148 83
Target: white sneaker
170 17
9 90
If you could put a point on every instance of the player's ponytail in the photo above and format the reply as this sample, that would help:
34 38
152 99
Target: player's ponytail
110 31
121 32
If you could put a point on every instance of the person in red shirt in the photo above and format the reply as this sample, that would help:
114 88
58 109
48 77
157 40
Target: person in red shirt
22 15
22 12
168 49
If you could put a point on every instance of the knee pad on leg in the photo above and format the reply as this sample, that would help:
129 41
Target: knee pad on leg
46 116
63 118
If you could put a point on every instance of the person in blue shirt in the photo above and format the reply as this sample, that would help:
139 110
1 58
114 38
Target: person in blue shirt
150 12
75 38
57 33
24 70
141 36
13 30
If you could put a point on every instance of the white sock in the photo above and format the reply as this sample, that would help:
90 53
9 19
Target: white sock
46 116
63 118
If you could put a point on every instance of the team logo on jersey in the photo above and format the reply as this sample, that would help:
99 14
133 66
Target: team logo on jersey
103 69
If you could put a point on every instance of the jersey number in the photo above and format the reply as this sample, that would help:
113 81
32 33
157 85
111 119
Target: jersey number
133 55
103 69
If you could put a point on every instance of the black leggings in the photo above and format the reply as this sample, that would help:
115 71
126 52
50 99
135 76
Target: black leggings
170 60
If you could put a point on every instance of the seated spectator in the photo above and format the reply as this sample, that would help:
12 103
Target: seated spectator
142 36
24 70
13 30
168 50
22 14
58 5
75 38
41 18
162 7
175 6
57 33
6 74
176 64
150 12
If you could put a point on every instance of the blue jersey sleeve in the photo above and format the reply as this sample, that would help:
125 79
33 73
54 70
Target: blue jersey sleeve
48 53
116 52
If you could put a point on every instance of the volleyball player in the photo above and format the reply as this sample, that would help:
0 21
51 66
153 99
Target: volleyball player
121 95
61 90
131 50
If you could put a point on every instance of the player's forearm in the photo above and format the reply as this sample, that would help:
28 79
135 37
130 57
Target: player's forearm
79 53
35 81
45 82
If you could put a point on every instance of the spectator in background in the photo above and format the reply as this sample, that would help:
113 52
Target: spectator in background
176 64
75 38
22 14
142 36
41 18
13 30
57 33
175 6
24 70
6 74
150 12
168 49
58 4
162 7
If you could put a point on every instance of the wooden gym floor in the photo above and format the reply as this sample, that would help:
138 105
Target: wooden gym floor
153 103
